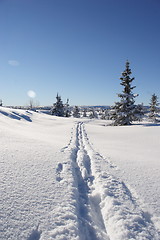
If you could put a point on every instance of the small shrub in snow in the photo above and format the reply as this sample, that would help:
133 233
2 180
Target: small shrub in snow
84 112
76 112
1 103
93 114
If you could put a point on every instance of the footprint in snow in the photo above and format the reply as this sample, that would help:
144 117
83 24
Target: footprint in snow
58 172
59 168
35 235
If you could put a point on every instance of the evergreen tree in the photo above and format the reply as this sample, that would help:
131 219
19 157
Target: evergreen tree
1 103
123 111
107 114
67 112
102 114
76 112
58 107
153 108
93 114
84 112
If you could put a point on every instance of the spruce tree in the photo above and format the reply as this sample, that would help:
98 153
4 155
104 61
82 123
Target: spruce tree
67 112
123 111
153 108
58 107
85 112
102 114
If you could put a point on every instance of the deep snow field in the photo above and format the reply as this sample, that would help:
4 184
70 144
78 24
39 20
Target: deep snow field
77 179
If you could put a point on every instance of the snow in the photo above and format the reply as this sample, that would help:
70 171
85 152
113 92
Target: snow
133 154
63 178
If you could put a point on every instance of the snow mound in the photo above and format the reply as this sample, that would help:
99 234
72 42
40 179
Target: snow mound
16 114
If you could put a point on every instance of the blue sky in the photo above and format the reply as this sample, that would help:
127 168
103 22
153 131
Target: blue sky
78 48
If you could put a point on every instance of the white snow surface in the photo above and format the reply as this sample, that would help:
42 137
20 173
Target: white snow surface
76 179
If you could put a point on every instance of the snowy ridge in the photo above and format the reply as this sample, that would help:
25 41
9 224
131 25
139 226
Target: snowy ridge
105 207
16 114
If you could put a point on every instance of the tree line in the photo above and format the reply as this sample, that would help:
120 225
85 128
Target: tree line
124 112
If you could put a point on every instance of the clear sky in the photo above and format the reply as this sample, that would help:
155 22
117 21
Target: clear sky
78 48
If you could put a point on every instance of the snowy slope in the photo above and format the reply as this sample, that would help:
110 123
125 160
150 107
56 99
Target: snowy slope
57 181
133 153
29 157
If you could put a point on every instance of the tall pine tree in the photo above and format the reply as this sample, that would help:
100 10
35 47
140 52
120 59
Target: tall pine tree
123 113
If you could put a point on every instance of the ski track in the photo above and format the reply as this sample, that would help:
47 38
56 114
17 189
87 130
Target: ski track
105 207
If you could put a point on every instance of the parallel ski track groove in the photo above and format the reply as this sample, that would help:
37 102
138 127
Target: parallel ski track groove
85 186
100 195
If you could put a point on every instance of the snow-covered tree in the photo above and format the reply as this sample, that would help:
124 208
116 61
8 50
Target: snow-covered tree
1 103
84 112
58 107
153 110
123 111
76 112
67 112
102 114
93 114
107 114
